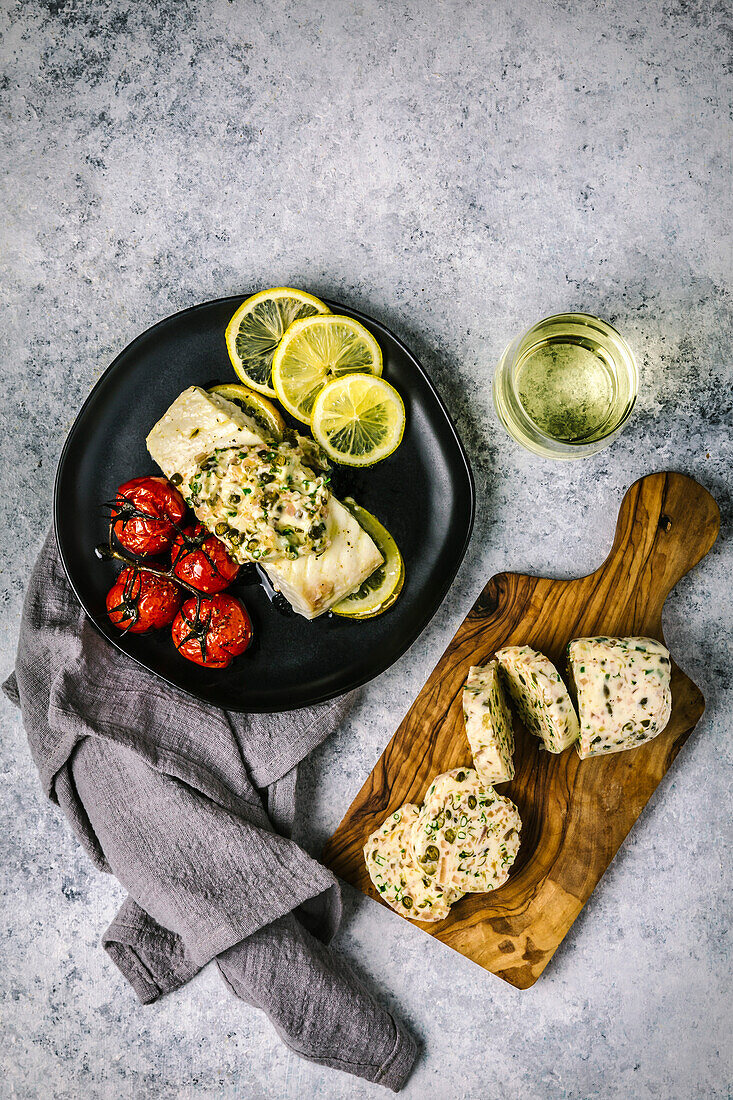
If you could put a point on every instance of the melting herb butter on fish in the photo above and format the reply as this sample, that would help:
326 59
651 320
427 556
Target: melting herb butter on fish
396 875
260 501
623 690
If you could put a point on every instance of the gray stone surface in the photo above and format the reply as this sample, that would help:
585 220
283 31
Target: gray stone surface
457 169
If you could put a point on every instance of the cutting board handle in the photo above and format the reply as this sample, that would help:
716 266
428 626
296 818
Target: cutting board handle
667 522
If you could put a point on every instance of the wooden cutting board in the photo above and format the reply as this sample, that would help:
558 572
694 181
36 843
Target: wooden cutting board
575 813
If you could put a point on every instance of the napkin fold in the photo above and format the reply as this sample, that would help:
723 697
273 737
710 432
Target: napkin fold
191 808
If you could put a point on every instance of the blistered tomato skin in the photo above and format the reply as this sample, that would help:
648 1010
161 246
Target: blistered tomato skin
221 631
144 514
201 560
139 602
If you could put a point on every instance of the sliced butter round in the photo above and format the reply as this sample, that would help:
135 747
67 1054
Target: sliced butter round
466 836
399 880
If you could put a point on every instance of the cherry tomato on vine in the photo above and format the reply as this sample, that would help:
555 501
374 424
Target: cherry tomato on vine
213 637
138 602
201 560
144 513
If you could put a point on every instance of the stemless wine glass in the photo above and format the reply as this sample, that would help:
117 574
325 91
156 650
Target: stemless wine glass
565 387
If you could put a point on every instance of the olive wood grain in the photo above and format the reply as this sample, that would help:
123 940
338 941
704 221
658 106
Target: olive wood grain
575 813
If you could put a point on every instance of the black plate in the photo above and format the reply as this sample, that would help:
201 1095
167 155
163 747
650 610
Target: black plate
423 493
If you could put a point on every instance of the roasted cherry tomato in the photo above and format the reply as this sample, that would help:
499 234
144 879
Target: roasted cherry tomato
144 512
219 632
202 560
140 601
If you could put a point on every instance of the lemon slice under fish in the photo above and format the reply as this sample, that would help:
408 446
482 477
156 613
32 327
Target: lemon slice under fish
262 411
257 327
380 590
358 419
316 350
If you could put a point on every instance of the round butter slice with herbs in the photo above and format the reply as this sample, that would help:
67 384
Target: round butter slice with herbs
539 695
399 880
623 691
466 835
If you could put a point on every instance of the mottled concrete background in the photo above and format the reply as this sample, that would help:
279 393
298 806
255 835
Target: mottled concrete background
458 169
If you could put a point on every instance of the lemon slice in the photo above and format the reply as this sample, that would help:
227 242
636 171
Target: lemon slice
256 329
315 350
380 590
262 411
358 419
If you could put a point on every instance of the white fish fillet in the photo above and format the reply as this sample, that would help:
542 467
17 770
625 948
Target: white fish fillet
199 422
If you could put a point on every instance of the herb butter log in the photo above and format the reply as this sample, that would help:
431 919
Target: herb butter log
466 835
260 499
394 872
488 724
623 692
540 696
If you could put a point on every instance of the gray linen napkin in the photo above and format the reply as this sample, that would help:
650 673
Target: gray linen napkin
180 801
